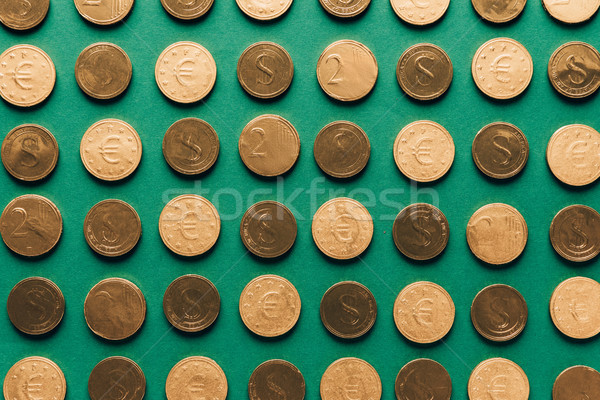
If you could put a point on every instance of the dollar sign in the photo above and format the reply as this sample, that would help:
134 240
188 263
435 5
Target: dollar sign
581 240
426 393
195 150
108 231
266 233
117 390
577 74
423 235
426 74
277 393
25 7
500 318
191 308
29 147
266 78
503 153
350 315
37 304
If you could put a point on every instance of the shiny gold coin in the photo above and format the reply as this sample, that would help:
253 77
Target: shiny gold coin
265 70
342 228
500 150
572 11
497 233
424 71
347 70
423 377
424 312
499 313
575 307
191 303
30 225
424 151
270 305
264 9
575 233
342 149
117 378
502 68
185 72
35 374
348 310
269 145
421 231
104 12
345 9
276 376
35 306
187 10
189 225
500 376
111 150
268 229
191 146
575 382
29 152
350 376
115 309
21 15
112 228
196 376
573 154
420 12
499 11
27 75
103 70
574 69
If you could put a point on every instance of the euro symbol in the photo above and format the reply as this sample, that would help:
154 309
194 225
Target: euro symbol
579 311
497 389
23 74
351 390
267 73
423 312
33 389
576 151
107 149
343 229
270 301
183 71
577 74
499 68
196 386
422 151
426 77
188 225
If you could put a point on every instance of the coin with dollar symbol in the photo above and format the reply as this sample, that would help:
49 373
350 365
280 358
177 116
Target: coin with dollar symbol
348 310
276 379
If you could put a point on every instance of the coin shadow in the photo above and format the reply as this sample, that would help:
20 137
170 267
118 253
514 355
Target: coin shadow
576 100
572 188
574 265
577 342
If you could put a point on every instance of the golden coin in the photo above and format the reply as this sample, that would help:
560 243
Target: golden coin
497 233
104 12
500 150
264 9
189 225
29 152
424 312
347 70
424 151
342 228
270 305
572 11
499 313
502 68
345 8
269 145
498 11
37 376
574 69
265 70
35 306
111 150
350 378
499 376
277 378
27 75
268 229
115 309
575 307
576 382
112 228
420 12
423 377
103 70
30 225
196 377
348 310
21 15
424 71
342 149
185 72
573 154
117 378
421 231
187 10
191 146
575 233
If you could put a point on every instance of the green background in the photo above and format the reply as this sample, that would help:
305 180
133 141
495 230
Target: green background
304 31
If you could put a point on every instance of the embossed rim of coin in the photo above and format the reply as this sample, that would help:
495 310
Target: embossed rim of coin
400 76
553 299
90 92
481 331
509 18
552 71
246 218
399 12
267 363
553 227
32 24
482 365
364 4
566 21
57 369
480 165
202 12
415 207
260 17
200 359
205 167
555 395
247 88
354 360
43 174
132 366
110 21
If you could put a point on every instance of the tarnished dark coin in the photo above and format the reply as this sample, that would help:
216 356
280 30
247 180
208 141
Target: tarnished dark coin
499 11
499 313
345 8
187 9
191 303
265 70
574 69
29 152
117 378
342 149
268 229
115 309
30 225
103 70
35 306
23 14
424 71
112 228
421 231
500 150
191 146
423 379
575 233
276 379
348 309
577 382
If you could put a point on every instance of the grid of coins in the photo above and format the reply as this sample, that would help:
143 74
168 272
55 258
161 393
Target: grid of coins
342 228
